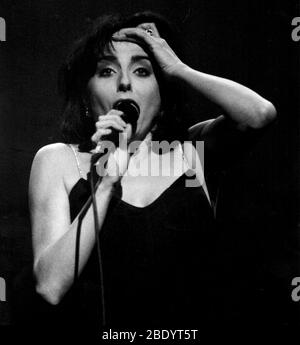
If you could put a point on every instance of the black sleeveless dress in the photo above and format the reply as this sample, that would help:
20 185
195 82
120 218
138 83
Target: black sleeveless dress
158 263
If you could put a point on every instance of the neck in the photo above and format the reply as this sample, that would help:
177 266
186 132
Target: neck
140 149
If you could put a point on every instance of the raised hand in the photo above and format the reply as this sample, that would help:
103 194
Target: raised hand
147 35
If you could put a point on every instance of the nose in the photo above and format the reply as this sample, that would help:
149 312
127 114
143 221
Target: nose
124 84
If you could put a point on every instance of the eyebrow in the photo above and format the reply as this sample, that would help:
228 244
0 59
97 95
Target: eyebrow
113 58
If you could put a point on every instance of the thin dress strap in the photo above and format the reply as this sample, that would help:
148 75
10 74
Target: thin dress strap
77 160
185 162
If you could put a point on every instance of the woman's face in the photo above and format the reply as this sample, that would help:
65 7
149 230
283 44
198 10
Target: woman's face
125 72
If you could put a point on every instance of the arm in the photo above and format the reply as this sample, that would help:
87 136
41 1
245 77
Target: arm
243 107
244 110
229 136
53 235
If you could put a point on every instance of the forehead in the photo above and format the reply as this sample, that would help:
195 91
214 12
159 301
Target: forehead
125 49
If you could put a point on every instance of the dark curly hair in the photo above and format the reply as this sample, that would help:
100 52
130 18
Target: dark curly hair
81 64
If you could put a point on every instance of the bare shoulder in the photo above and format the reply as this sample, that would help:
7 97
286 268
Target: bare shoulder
54 157
51 153
51 164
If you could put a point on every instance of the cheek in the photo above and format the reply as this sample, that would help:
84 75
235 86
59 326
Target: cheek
152 106
99 96
153 98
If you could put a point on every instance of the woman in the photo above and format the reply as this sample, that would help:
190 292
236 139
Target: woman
156 234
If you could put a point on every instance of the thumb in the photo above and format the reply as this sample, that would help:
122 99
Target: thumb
125 137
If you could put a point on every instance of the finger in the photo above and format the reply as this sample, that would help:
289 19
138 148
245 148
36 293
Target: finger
134 33
116 118
150 29
125 137
123 38
114 112
111 112
110 123
100 133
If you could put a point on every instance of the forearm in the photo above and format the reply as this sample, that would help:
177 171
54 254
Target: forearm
242 105
55 268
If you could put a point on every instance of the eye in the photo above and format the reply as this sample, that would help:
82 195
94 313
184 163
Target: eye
105 72
142 72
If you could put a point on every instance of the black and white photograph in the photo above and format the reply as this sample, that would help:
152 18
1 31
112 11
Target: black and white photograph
149 171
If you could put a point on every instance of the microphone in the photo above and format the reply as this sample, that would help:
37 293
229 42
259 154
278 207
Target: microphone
131 112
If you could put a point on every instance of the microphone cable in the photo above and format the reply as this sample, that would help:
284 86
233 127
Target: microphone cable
94 158
92 200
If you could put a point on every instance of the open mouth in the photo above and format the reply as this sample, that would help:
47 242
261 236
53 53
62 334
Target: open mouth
125 104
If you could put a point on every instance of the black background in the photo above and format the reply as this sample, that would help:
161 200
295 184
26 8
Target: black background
247 41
